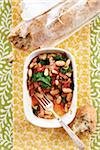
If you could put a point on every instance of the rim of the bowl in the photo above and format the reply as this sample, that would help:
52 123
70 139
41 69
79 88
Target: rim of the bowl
46 123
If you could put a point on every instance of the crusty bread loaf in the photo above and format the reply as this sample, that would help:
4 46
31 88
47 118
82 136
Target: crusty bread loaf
85 120
38 33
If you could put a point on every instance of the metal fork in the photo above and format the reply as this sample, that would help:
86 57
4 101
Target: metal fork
48 105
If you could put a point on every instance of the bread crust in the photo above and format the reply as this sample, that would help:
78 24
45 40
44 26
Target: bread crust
37 33
85 120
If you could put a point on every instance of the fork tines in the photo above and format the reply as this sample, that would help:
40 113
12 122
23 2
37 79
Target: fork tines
44 101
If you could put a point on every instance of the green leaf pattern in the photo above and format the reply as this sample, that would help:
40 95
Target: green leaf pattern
1 2
95 78
6 78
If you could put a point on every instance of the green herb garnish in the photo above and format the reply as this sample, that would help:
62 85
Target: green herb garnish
44 86
46 80
59 57
64 71
36 76
44 62
69 69
39 76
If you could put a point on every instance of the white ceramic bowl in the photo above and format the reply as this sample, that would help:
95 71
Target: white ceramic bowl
45 123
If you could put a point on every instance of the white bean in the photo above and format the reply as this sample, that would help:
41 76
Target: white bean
32 65
30 73
43 56
51 60
57 77
50 97
66 90
54 71
46 72
58 101
39 95
60 63
56 82
69 74
54 92
68 62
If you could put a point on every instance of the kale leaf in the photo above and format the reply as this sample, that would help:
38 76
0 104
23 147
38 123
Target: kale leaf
59 57
36 76
39 76
44 86
44 62
64 71
46 80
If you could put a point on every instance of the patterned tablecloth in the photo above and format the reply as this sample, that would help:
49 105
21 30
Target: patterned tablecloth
29 137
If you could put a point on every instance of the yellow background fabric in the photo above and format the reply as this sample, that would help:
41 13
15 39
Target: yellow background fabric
27 136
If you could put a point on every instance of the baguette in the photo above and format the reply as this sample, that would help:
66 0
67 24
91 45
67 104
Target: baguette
38 33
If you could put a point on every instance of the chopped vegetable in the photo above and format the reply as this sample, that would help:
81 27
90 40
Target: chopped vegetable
59 109
34 101
41 69
63 76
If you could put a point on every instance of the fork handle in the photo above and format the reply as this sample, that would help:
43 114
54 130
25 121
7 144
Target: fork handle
73 136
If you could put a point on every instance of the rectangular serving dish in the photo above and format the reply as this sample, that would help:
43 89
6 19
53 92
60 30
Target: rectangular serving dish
45 123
